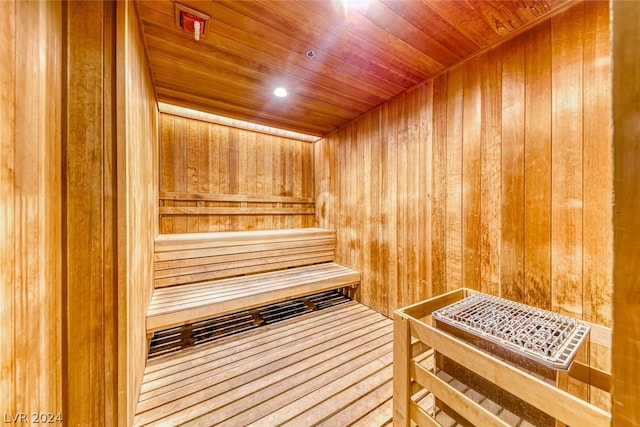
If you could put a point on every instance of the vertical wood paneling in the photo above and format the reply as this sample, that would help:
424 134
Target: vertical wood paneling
85 242
626 272
439 202
401 183
376 256
387 267
204 185
7 193
73 337
597 183
31 209
471 173
167 163
513 285
597 175
365 200
425 180
454 196
137 174
491 173
180 163
412 228
392 207
480 176
537 167
201 157
566 164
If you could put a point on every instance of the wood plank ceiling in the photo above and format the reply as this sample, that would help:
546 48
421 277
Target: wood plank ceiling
366 52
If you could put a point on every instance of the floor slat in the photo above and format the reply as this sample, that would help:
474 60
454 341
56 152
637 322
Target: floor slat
328 366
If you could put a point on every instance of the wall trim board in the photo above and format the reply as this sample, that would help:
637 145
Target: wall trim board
239 124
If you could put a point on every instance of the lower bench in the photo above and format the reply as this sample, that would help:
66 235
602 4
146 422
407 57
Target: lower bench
177 305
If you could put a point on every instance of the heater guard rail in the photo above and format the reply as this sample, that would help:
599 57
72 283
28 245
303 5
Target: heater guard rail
413 336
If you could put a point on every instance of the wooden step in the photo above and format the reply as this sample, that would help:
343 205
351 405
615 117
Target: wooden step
177 305
196 257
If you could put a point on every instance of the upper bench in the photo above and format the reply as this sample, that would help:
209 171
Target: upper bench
196 257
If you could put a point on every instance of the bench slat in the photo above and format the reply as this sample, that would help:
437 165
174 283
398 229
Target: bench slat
235 262
252 291
168 242
203 275
224 257
189 258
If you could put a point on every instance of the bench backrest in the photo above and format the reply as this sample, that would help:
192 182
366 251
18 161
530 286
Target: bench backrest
197 257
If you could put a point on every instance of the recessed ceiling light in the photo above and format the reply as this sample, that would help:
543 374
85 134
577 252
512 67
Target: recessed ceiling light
280 92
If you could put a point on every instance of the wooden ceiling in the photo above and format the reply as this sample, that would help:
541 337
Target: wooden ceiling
367 51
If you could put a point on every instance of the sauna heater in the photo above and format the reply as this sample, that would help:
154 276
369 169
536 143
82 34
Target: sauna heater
537 341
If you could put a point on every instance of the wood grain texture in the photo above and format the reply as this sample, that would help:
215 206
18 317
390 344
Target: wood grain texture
471 172
454 182
332 366
597 174
626 145
366 53
250 180
137 150
30 163
491 173
7 183
439 203
537 167
566 162
90 246
512 281
492 203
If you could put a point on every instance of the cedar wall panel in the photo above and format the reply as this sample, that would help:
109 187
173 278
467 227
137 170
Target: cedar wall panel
137 177
626 308
30 209
90 357
73 342
239 169
110 216
496 175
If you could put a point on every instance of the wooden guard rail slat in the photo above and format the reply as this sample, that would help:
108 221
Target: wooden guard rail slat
409 325
291 204
233 198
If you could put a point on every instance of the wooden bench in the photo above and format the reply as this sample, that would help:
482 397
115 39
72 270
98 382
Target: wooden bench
203 275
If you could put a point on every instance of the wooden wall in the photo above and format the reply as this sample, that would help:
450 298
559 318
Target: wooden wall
137 182
496 176
626 309
30 208
78 212
89 240
215 177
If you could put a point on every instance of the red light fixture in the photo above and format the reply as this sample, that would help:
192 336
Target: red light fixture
191 21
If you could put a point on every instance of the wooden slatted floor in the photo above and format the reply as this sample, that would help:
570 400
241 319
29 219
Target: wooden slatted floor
332 367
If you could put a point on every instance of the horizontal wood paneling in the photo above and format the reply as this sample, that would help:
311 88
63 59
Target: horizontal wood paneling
31 210
505 159
366 52
215 177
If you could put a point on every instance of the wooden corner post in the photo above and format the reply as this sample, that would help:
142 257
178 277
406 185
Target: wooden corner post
401 373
